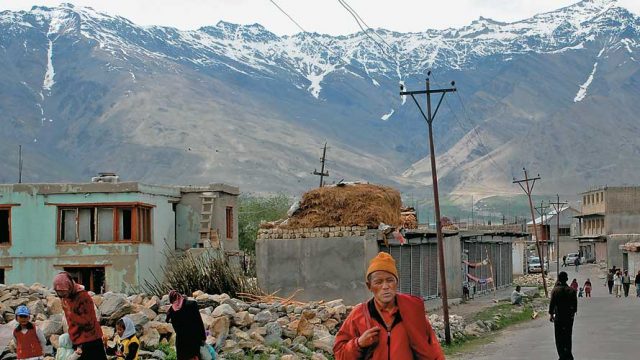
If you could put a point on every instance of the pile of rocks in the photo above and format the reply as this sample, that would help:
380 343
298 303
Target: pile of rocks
456 326
236 327
533 280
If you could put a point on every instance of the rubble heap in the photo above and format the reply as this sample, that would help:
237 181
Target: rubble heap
263 325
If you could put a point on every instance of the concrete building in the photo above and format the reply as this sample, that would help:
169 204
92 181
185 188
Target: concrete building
110 235
549 231
607 211
631 254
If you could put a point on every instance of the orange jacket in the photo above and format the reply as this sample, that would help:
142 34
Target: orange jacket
411 335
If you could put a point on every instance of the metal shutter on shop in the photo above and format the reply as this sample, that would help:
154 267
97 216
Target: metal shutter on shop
405 269
430 257
416 270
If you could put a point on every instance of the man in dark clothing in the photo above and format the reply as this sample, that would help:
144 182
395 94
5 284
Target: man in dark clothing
564 261
562 309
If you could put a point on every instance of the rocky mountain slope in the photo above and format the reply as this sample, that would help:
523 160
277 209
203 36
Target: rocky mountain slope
87 92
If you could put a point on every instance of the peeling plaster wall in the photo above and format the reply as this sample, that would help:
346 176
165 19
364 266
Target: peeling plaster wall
188 220
34 255
220 220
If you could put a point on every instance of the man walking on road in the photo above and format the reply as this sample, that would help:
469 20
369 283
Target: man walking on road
562 310
626 283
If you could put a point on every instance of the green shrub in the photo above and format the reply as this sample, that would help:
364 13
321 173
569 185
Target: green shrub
169 351
254 209
206 270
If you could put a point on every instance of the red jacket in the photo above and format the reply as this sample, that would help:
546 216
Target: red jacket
411 335
27 345
81 318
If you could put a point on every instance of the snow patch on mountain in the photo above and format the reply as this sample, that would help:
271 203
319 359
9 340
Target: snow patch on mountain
48 82
386 117
582 92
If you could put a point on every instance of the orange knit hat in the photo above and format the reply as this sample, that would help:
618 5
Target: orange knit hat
382 261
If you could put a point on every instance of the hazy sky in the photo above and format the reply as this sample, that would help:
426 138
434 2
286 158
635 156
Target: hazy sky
323 16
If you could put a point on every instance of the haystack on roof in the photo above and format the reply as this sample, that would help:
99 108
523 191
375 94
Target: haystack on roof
348 205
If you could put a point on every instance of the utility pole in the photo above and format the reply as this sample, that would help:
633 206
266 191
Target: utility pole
434 176
19 164
473 220
322 173
557 206
528 189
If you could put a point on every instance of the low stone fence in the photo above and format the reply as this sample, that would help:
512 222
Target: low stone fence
302 233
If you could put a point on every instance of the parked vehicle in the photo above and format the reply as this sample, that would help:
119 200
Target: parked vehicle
571 259
534 266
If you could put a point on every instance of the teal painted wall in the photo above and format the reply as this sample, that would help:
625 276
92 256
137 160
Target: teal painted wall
34 256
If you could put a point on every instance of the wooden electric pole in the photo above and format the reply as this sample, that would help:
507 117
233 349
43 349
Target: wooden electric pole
528 189
322 173
558 207
434 176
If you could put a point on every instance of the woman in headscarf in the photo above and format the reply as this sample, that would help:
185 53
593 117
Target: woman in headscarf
127 343
188 326
79 310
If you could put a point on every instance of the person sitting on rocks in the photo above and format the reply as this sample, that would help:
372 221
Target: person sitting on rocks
29 340
127 343
517 296
389 323
65 349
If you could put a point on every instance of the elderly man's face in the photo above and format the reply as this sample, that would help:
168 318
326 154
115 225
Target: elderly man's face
384 286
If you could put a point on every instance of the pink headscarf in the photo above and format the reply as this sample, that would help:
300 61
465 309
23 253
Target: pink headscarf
64 282
176 300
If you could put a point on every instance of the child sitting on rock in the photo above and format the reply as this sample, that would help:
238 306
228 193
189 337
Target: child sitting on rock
29 340
65 349
127 343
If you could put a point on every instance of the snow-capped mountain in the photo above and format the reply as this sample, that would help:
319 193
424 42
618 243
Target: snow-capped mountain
88 92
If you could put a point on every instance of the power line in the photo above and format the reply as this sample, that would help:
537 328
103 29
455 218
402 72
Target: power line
332 51
473 131
360 21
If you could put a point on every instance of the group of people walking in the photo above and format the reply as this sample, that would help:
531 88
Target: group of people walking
619 281
84 339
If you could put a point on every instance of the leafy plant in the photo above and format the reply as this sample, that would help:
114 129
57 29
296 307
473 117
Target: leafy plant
254 209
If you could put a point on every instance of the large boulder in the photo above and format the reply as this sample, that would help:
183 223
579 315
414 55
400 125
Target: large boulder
113 307
151 339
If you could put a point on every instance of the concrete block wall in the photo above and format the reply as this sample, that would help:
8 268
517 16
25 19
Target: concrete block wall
323 267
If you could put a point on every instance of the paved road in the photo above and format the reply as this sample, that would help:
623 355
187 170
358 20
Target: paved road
605 328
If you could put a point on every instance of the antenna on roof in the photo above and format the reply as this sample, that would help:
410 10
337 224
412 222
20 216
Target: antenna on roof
19 164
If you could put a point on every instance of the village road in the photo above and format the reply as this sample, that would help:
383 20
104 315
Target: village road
605 328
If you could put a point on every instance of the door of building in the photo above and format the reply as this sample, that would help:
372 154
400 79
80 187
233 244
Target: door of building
92 278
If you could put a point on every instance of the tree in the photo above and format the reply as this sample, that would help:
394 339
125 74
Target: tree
255 209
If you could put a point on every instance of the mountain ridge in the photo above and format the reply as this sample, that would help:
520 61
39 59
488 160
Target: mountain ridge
264 97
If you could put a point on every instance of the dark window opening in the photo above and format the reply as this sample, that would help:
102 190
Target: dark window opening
5 226
2 276
564 231
124 216
229 222
92 278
